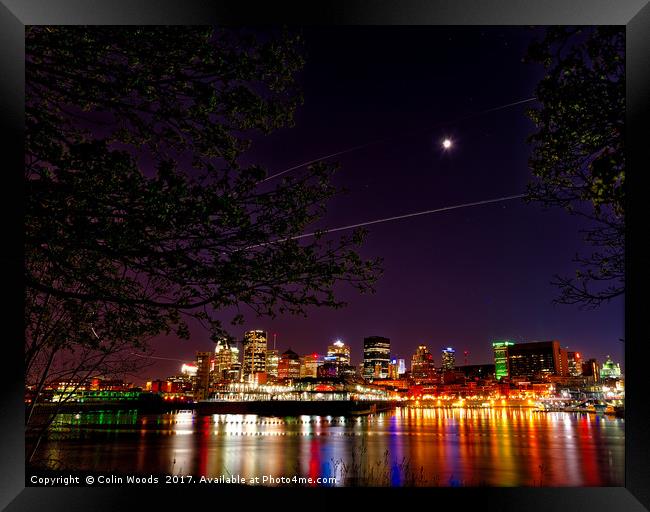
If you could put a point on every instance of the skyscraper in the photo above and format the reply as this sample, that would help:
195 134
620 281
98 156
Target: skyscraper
537 359
574 363
204 366
422 364
340 351
502 367
448 359
376 357
254 354
226 361
272 361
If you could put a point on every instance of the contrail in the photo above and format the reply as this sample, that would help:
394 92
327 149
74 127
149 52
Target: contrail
397 217
385 139
155 357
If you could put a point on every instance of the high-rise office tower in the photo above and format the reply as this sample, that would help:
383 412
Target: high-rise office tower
204 367
574 363
376 357
422 364
448 359
226 362
254 355
537 359
272 361
501 365
340 352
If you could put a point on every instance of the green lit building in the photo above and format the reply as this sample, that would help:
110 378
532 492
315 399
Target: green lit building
501 349
610 369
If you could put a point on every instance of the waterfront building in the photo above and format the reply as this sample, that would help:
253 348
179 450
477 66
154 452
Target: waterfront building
537 359
289 365
158 386
272 361
181 384
422 365
309 366
204 367
610 370
376 357
254 355
448 359
501 364
574 363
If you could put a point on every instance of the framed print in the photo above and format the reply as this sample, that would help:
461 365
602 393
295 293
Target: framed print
266 253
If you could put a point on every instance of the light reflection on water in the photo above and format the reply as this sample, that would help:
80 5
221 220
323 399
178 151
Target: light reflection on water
443 446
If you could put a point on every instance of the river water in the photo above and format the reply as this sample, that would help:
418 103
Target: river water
404 447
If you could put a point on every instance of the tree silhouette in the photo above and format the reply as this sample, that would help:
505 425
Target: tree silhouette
578 150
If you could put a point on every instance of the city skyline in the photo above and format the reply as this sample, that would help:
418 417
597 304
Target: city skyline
357 355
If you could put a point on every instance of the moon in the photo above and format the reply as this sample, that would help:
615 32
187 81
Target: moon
446 143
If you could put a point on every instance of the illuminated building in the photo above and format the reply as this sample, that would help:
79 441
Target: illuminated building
564 362
501 364
158 386
189 369
204 366
289 365
422 364
448 359
272 361
254 355
340 352
574 363
591 370
610 370
226 362
376 357
537 359
392 369
181 384
401 367
309 366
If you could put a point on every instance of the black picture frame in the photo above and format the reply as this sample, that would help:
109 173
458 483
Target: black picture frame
634 14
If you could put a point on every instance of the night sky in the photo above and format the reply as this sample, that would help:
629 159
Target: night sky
458 278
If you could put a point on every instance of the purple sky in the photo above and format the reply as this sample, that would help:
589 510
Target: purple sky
459 278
